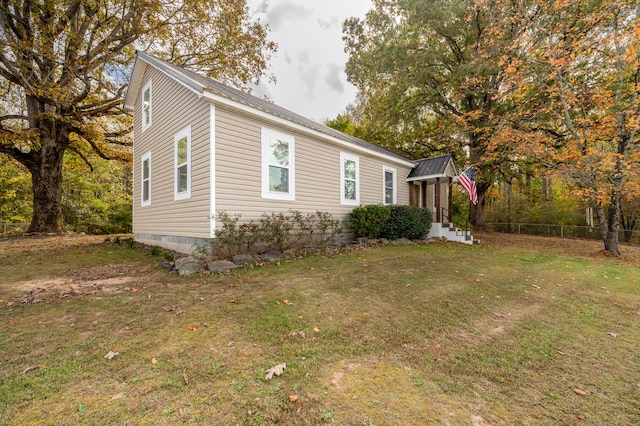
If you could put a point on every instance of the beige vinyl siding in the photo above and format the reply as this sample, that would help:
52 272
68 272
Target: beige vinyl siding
431 201
173 108
317 168
450 171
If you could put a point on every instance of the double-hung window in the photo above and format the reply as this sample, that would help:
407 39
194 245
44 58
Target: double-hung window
278 160
349 179
182 164
146 106
146 180
389 177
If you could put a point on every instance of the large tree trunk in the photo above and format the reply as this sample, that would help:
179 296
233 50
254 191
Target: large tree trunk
613 220
609 226
477 213
46 178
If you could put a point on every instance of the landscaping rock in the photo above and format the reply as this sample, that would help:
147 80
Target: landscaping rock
272 256
189 265
402 242
362 241
221 266
289 253
244 259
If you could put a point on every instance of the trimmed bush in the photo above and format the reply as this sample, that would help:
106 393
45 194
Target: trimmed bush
367 221
276 231
408 222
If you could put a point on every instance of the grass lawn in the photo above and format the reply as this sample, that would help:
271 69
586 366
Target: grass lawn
517 330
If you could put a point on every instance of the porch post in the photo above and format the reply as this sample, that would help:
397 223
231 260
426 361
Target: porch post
450 196
424 194
438 195
412 202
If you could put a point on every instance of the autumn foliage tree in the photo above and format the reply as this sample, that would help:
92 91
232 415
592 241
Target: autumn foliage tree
63 73
430 77
581 83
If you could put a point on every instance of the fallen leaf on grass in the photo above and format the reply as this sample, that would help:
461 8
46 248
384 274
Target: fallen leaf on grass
316 329
31 368
193 327
154 360
111 355
581 392
612 334
117 396
293 398
277 370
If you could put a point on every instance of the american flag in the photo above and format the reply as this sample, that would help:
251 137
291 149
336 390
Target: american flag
468 181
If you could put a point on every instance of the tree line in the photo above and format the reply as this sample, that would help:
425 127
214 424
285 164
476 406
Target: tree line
506 85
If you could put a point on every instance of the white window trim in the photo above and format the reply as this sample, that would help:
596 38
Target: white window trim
344 156
186 132
274 195
146 125
144 158
386 169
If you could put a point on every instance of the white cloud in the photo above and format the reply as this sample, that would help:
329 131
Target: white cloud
309 65
334 78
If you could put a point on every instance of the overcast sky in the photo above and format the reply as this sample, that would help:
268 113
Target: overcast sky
309 64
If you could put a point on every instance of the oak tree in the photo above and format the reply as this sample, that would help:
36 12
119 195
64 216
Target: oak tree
430 76
582 73
64 66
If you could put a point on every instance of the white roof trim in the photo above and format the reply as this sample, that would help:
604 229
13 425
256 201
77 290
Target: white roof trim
427 177
136 81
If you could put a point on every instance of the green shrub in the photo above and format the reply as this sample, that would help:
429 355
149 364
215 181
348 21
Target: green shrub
278 231
275 231
317 229
231 238
368 221
408 222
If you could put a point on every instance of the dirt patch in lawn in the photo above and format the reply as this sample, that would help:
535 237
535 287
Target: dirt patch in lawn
79 282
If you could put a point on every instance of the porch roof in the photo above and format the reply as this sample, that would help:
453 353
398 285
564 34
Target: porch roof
431 168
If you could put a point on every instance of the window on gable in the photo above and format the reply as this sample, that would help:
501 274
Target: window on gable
146 180
146 106
182 162
349 177
277 165
390 196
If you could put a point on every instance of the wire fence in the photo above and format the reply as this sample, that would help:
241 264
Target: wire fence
563 231
13 228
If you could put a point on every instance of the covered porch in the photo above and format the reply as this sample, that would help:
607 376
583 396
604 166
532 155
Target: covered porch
430 188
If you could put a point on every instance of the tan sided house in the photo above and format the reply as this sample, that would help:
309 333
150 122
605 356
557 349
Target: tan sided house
202 147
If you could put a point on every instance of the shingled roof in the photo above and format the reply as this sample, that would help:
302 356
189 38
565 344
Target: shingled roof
432 168
201 84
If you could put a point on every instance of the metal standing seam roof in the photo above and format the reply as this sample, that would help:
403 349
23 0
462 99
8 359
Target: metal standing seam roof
435 166
201 83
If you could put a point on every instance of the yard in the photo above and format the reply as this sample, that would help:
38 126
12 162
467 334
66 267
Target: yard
517 330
